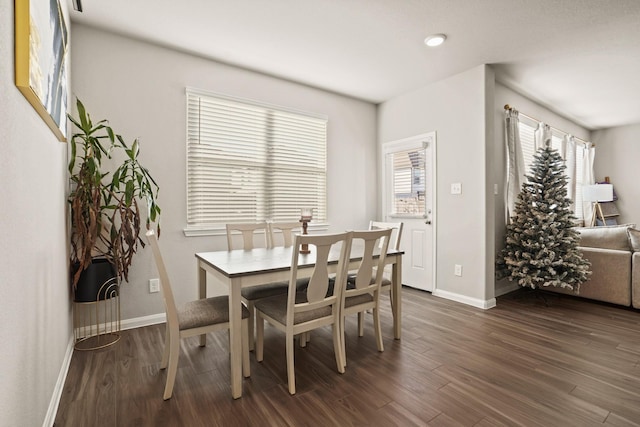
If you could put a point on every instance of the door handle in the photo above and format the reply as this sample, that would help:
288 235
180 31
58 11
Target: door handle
427 222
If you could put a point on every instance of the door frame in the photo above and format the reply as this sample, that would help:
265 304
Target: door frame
406 143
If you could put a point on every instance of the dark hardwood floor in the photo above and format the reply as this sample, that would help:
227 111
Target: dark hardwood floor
534 360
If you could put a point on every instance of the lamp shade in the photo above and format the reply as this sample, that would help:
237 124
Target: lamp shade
597 193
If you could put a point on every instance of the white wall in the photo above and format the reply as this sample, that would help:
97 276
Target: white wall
140 88
35 312
454 108
617 154
504 95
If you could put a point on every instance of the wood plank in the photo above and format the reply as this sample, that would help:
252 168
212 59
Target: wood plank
534 360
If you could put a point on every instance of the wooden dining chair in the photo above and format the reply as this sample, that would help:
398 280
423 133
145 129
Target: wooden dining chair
252 294
364 293
313 307
394 243
248 231
191 319
396 231
286 229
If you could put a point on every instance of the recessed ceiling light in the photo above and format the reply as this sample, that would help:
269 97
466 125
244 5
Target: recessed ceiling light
435 40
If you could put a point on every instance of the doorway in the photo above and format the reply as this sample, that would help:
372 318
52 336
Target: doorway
409 197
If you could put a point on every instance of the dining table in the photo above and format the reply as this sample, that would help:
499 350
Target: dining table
238 269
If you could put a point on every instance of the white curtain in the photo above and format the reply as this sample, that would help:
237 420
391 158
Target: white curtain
568 152
515 161
542 136
588 178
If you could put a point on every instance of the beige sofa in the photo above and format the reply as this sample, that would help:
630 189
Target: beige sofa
614 253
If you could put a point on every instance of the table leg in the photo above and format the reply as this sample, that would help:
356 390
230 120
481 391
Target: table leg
235 338
397 297
202 293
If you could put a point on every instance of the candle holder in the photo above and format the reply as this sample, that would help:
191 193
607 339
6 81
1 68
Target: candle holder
306 214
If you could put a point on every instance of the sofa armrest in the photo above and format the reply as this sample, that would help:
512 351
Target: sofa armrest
610 279
635 279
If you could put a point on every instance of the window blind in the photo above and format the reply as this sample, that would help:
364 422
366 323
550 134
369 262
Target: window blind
409 182
250 162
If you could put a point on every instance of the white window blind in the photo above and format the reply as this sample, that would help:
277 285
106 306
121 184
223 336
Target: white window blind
409 182
249 162
527 130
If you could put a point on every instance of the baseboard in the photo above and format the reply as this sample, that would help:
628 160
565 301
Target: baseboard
139 322
136 322
474 302
57 391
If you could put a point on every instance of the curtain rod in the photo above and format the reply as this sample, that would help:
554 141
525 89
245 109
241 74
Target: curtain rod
507 107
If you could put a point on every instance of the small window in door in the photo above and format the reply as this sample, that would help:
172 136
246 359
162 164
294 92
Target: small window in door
409 182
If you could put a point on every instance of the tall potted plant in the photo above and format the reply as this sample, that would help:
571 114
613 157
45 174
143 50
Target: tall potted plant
104 202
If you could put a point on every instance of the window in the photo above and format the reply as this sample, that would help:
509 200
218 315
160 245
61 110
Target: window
409 182
249 162
527 128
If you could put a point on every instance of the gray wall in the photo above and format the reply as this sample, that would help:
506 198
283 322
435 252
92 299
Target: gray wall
35 312
455 109
140 88
617 156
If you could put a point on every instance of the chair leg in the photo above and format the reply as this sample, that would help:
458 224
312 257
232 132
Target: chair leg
338 343
246 364
303 339
376 326
252 315
165 352
361 324
391 299
291 372
343 346
174 352
259 336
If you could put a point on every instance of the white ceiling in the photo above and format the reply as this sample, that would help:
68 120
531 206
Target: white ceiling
581 58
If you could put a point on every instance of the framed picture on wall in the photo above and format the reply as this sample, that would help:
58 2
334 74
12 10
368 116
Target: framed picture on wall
41 42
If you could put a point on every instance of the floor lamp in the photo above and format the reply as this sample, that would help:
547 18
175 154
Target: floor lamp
595 194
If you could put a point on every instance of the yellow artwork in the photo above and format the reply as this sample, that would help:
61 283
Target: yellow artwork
41 44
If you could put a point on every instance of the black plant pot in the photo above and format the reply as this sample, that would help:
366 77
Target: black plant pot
98 282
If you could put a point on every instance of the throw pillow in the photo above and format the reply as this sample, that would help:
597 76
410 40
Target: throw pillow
609 237
634 238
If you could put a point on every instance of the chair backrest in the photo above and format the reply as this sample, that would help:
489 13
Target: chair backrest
286 228
167 293
247 231
320 245
375 243
396 234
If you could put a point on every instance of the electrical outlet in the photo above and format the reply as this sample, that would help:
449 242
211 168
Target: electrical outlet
457 270
456 188
154 286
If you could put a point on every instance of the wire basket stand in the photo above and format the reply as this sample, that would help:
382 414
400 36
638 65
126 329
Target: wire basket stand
97 323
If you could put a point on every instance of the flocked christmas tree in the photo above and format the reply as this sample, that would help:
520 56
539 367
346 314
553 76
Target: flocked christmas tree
541 244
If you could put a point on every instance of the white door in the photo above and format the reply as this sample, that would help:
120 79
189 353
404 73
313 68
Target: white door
409 196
